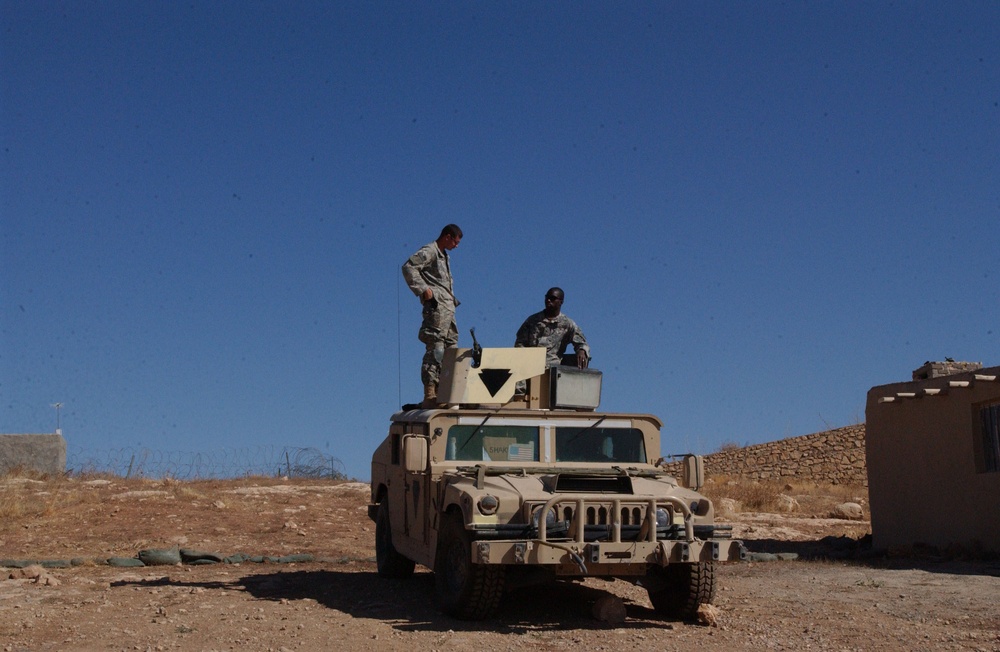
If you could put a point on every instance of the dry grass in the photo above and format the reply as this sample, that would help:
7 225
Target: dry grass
30 495
810 498
27 494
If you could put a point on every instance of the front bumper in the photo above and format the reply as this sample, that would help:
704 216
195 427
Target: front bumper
605 557
612 546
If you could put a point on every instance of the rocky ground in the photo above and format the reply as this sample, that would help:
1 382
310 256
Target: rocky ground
838 601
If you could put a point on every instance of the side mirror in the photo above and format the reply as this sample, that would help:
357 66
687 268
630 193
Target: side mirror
693 472
414 454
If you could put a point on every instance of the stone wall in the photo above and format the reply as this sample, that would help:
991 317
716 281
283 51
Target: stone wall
41 453
946 368
834 456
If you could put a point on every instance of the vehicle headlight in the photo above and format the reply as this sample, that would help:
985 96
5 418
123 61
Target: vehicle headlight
662 517
488 505
550 518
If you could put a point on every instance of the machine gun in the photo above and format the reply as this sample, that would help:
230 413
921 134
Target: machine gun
477 350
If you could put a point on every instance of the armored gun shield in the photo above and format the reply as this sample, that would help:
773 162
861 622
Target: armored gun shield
493 381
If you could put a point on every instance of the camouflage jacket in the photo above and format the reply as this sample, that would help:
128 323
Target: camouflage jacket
429 267
554 334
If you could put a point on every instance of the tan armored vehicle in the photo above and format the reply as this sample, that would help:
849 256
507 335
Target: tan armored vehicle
496 489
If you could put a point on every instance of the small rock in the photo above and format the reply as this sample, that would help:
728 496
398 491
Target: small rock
32 572
708 615
787 503
35 573
609 609
48 580
729 507
849 511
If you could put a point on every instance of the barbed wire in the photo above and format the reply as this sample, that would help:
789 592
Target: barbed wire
223 463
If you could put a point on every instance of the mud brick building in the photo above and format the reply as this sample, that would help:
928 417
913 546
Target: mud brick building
933 455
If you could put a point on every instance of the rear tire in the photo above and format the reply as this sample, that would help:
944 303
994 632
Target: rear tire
388 560
682 588
465 590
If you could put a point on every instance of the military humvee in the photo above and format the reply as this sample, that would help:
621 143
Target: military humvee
497 488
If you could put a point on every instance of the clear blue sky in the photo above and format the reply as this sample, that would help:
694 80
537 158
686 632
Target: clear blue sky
757 210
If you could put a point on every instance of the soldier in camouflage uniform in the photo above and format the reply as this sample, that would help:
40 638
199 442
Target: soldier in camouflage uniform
428 273
555 331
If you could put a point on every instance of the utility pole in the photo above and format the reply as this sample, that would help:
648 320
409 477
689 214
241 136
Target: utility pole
58 406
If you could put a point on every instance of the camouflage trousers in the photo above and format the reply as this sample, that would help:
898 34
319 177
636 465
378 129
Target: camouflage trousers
438 331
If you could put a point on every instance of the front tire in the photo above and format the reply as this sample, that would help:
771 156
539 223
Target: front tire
465 590
679 589
388 560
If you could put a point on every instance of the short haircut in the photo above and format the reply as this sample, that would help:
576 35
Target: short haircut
452 230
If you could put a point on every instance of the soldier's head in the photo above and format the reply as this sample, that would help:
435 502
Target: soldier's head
553 301
450 236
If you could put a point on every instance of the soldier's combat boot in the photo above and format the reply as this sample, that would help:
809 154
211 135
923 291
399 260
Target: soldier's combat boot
430 396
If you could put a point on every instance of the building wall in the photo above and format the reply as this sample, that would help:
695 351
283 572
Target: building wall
41 453
834 456
924 486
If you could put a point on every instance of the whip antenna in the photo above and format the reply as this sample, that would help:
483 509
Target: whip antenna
399 350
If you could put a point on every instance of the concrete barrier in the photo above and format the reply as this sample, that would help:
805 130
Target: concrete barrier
40 453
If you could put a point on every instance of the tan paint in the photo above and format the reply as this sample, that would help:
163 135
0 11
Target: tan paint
926 483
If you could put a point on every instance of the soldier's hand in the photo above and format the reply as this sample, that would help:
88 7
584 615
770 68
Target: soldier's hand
582 359
427 295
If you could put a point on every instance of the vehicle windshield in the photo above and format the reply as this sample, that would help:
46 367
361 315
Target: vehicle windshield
597 444
491 443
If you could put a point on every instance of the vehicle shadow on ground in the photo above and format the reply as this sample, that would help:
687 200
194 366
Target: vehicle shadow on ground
826 548
409 604
859 552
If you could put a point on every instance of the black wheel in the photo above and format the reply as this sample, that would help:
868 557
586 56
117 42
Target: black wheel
677 590
465 590
390 563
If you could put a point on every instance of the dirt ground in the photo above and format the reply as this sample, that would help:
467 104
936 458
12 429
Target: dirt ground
338 601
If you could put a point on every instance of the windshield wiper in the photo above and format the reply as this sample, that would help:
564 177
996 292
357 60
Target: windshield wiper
583 430
473 434
488 416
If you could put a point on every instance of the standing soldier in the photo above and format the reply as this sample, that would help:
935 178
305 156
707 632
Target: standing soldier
428 273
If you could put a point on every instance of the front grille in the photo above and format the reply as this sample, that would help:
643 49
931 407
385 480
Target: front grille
599 520
601 514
